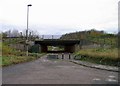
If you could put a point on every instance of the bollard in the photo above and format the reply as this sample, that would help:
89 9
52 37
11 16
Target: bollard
62 56
57 56
69 56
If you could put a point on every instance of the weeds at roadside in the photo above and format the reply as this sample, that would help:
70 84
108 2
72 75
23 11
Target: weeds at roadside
99 56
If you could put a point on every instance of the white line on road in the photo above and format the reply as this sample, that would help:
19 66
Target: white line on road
111 80
96 79
45 60
111 76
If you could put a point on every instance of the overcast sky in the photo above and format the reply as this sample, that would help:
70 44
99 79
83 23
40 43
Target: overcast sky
60 16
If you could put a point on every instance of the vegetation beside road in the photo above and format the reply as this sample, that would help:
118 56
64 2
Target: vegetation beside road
9 60
93 36
12 56
99 56
106 53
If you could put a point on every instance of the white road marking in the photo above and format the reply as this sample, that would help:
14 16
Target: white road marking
96 79
111 80
45 60
111 76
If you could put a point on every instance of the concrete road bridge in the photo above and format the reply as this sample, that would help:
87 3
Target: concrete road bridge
69 46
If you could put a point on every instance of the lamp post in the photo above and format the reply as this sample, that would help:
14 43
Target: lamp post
27 28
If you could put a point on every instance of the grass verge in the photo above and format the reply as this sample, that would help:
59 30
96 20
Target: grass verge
12 56
9 60
99 56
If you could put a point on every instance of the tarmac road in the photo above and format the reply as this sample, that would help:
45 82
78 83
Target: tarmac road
49 70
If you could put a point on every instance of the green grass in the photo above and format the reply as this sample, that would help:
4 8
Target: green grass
12 56
9 60
99 56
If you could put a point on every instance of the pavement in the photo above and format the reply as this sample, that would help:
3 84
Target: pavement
93 65
54 70
97 66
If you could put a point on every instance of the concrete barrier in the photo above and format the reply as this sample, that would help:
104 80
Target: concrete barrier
52 56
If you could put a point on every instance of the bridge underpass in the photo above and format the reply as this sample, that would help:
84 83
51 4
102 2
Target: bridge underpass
69 46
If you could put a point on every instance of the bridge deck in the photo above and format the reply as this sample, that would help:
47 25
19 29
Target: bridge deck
54 42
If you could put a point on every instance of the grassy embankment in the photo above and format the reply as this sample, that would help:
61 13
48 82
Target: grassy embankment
11 56
103 55
99 56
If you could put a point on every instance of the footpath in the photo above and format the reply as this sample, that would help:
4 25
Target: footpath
97 66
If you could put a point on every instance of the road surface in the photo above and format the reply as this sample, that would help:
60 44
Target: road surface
56 71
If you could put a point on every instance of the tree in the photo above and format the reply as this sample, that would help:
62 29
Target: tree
4 34
15 33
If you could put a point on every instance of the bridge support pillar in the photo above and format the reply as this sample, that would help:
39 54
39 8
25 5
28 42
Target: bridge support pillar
77 47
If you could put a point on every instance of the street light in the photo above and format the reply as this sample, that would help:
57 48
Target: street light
27 28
